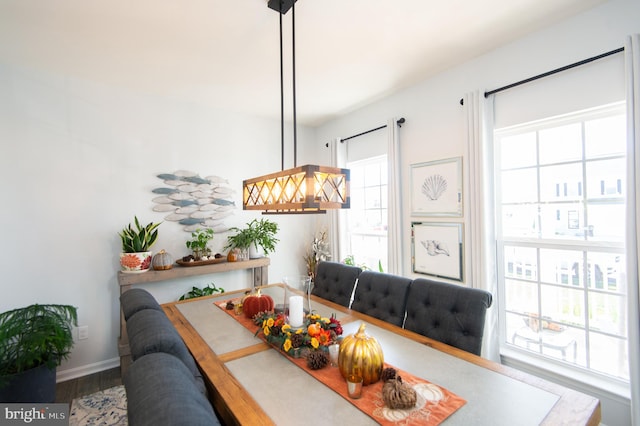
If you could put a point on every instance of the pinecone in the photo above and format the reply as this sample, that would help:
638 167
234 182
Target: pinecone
388 374
317 360
297 340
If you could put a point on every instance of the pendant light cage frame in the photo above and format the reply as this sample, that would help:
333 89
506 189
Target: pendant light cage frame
304 189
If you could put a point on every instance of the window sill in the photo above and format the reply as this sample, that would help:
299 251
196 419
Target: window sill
574 378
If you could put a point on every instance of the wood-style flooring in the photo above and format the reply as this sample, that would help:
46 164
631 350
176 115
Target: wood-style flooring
76 388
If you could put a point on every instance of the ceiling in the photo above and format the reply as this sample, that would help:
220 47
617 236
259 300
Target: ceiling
225 53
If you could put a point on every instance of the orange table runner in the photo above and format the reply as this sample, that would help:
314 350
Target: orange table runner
434 405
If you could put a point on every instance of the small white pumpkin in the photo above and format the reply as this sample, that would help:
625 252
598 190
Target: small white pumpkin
162 261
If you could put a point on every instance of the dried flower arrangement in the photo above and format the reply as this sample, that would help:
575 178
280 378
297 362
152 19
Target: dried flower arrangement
318 252
317 332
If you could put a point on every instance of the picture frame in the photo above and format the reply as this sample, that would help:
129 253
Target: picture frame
436 188
436 249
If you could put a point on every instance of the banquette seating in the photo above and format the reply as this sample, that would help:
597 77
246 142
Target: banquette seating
382 296
163 384
450 313
334 281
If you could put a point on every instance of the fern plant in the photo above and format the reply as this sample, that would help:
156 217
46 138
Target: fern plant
35 335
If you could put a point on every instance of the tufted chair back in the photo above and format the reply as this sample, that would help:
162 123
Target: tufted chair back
449 313
335 281
382 296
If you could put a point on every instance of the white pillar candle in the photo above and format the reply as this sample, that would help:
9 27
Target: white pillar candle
296 313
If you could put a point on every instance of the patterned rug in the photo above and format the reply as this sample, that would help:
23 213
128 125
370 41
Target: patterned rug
104 408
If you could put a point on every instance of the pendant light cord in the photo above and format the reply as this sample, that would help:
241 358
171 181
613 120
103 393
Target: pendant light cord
281 100
293 61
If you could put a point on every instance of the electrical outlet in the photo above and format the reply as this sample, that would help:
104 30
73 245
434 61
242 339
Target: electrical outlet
83 332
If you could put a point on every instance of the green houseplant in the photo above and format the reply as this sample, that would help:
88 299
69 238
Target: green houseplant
34 340
207 290
198 244
136 242
258 234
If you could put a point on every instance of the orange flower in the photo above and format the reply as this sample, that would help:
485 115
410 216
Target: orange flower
130 261
324 337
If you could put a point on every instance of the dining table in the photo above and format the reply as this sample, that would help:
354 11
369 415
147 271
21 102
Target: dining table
251 382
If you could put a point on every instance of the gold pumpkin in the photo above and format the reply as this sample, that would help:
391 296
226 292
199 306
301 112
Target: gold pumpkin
362 355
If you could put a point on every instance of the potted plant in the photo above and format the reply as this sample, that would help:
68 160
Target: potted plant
263 237
259 237
136 256
199 243
238 244
34 340
207 290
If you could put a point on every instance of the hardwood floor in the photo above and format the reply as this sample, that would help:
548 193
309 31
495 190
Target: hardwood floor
75 388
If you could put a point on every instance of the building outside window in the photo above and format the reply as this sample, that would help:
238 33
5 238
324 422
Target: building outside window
367 217
560 208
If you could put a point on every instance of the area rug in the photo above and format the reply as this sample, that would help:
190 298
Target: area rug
104 408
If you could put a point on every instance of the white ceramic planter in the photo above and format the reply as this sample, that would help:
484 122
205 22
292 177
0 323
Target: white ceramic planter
255 252
135 262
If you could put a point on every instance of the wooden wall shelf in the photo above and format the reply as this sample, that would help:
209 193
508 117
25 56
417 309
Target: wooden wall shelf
125 279
259 268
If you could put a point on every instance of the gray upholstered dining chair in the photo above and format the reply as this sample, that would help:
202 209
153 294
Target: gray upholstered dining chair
450 313
335 281
381 296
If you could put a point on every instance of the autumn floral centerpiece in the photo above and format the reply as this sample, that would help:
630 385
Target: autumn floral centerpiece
311 340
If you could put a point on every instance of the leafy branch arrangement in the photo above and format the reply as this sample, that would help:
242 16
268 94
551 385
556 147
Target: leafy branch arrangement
261 232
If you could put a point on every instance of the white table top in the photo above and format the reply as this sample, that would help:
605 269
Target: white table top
284 391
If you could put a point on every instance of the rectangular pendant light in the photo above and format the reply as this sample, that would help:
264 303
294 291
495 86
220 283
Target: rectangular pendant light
304 189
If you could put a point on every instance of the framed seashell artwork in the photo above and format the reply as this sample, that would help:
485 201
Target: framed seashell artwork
436 188
436 249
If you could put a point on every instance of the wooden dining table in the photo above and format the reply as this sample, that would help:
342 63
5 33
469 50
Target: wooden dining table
251 383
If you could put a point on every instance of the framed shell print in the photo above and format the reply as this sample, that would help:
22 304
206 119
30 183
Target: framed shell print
437 249
436 188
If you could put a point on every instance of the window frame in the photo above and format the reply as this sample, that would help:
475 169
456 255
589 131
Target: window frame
383 208
507 349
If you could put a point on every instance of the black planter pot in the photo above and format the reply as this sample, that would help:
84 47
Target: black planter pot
35 385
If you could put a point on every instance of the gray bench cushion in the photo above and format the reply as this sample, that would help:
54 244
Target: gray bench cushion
150 331
137 299
450 313
382 296
161 391
335 281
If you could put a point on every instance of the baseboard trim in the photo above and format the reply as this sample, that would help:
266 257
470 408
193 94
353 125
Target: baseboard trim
85 370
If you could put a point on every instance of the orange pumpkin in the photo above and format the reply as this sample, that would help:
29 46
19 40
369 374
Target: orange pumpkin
255 303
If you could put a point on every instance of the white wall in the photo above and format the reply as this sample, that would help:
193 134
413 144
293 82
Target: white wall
78 160
435 120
